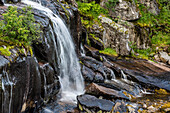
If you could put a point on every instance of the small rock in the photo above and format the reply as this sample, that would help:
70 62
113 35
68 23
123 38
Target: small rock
120 107
164 57
131 110
144 106
157 57
151 109
98 78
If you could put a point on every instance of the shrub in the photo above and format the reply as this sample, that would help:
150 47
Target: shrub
91 10
18 27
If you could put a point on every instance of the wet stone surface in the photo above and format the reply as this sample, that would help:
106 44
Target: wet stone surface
90 103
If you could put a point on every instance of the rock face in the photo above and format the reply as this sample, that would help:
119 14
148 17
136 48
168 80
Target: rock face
25 84
92 104
116 36
21 85
122 35
125 10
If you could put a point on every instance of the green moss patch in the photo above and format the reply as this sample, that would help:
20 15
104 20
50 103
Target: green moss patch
109 51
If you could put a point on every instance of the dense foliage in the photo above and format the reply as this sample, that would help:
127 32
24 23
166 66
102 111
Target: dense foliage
159 24
91 10
18 28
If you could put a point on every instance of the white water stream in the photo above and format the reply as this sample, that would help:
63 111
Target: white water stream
72 83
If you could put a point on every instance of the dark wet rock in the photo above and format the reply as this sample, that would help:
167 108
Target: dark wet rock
96 43
88 74
90 103
97 66
145 72
21 85
75 28
128 87
58 107
97 90
46 51
50 82
90 51
141 37
98 78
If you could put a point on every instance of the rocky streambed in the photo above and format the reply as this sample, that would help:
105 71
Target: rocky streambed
30 83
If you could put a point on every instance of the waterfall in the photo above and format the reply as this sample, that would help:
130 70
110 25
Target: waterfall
71 80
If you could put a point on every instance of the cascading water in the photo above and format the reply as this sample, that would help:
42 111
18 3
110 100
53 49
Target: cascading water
70 77
6 85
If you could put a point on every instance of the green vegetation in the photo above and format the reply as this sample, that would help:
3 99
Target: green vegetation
111 4
109 51
91 10
96 38
89 16
142 53
18 29
159 26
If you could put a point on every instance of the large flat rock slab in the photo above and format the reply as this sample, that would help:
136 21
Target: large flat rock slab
92 104
98 90
143 71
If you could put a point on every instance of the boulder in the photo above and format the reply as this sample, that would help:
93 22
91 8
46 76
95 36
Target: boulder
91 104
97 90
115 36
